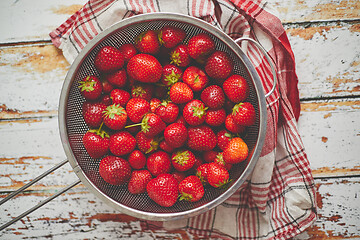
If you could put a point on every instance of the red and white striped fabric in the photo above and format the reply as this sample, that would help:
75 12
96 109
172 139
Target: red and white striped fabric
278 200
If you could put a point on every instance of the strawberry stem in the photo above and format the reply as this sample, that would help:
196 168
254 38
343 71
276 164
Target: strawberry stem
133 125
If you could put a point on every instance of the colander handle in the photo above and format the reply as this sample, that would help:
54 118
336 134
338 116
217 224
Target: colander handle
272 66
58 193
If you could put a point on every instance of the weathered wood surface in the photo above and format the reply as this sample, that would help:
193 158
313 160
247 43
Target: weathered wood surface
326 43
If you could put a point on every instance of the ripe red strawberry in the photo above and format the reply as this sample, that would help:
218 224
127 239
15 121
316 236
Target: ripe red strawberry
144 91
90 87
183 160
180 93
209 156
244 114
223 138
180 56
194 112
93 113
219 159
105 99
236 88
171 74
179 176
137 159
171 36
117 78
152 125
122 143
201 172
154 103
236 151
213 97
136 108
163 190
119 96
109 59
176 135
96 143
181 120
106 86
201 138
128 50
217 176
166 146
115 117
144 68
148 42
167 111
201 46
146 144
114 170
195 78
191 189
219 65
215 117
158 162
138 181
232 126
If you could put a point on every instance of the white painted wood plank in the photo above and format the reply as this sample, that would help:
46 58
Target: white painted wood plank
24 20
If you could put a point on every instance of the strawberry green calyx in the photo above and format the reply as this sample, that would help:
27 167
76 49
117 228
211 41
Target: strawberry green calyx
145 127
100 132
138 91
113 110
224 184
182 158
199 111
236 108
220 159
185 197
172 78
161 41
87 85
175 58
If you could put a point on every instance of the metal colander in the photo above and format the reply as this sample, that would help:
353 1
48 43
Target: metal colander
73 127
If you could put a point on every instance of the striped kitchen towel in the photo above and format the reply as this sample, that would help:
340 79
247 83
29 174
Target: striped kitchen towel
278 200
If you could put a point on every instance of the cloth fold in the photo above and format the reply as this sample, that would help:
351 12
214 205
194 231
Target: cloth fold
278 200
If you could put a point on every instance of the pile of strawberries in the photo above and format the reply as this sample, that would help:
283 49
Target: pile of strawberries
166 117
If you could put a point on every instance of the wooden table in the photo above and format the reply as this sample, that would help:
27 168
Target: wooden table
325 39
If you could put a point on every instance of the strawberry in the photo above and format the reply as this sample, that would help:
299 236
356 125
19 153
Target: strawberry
194 112
213 97
180 93
154 103
181 120
114 170
209 156
105 99
195 78
96 143
136 108
219 65
117 78
90 87
93 113
158 162
171 36
147 42
138 181
109 59
164 145
217 176
128 50
179 176
201 138
244 114
183 160
144 91
201 46
163 190
106 86
146 144
215 117
144 68
171 74
180 56
191 189
167 111
201 172
223 138
152 125
219 159
232 126
115 117
236 151
122 143
236 88
119 96
176 135
137 159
